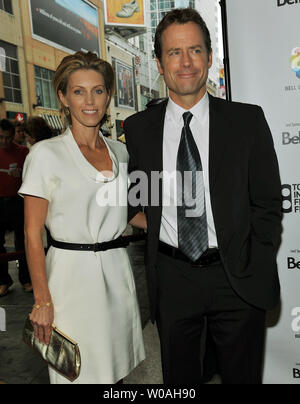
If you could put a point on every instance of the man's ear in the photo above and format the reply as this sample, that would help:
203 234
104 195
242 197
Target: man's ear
210 59
159 66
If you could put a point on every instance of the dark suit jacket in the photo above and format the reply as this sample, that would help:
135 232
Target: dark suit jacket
245 194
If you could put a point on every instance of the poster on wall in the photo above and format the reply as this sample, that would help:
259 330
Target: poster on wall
125 12
125 85
69 25
276 87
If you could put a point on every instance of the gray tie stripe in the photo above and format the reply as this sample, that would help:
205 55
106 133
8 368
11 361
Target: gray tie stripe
192 221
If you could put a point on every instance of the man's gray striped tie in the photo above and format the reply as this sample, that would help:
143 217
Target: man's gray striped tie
191 212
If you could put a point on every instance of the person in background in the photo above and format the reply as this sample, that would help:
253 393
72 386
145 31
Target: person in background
85 283
37 129
12 158
19 137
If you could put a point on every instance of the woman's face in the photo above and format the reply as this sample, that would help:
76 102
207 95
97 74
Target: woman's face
86 98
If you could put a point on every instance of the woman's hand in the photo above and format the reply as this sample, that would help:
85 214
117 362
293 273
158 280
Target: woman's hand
42 317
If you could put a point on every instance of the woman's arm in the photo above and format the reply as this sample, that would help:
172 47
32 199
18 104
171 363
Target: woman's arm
139 220
42 315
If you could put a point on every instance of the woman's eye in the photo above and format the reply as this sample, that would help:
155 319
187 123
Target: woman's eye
99 91
77 92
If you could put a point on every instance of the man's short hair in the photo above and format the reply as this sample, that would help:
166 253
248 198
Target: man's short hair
7 126
18 124
180 16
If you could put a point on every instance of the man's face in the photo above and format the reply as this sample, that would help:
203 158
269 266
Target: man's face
19 135
6 139
184 63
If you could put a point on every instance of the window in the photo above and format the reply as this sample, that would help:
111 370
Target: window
45 94
10 72
6 6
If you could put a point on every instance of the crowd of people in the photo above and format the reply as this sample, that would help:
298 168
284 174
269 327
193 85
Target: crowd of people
16 138
211 240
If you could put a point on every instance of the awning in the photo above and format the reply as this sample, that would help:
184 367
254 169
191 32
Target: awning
54 121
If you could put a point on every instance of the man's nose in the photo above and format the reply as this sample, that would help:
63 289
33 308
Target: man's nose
186 59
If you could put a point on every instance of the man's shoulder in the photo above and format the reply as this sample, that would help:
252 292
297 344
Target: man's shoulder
143 117
233 105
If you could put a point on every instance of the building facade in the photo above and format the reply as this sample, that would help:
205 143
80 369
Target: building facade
14 93
210 12
35 35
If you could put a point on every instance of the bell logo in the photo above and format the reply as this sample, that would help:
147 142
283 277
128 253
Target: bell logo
296 321
292 263
296 373
295 61
2 320
285 2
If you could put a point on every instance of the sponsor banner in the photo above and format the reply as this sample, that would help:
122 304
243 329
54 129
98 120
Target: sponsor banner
70 25
257 79
125 12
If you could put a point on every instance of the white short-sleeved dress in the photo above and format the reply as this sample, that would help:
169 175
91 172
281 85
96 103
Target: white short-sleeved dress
93 294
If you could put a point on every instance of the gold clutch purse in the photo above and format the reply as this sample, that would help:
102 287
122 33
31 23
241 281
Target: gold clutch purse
62 353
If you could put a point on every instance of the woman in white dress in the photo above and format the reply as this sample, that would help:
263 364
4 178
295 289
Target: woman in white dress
88 293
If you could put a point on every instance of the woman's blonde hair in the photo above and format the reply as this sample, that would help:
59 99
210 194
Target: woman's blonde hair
82 61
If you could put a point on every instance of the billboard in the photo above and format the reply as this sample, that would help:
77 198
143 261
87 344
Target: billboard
70 25
125 12
125 85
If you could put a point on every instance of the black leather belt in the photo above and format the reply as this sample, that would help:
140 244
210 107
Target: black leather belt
210 257
120 242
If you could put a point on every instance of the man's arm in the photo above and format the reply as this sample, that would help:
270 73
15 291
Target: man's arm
264 190
132 166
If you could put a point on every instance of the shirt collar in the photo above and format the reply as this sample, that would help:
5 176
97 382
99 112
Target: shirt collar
199 111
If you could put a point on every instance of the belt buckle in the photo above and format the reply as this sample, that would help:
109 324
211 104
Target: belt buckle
96 247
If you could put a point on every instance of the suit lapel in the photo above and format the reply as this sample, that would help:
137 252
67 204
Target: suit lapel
218 125
156 131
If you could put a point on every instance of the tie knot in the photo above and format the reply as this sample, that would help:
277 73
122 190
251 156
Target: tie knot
187 117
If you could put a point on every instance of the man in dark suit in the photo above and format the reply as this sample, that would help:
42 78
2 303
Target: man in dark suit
214 226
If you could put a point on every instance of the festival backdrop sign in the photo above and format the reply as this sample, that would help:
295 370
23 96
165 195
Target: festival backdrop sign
125 12
276 87
70 25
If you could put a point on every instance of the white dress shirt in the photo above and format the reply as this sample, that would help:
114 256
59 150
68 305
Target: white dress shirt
172 133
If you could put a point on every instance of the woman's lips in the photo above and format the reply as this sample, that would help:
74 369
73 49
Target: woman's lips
90 112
